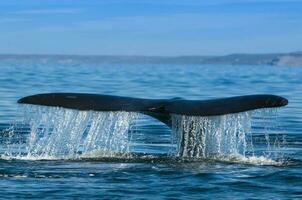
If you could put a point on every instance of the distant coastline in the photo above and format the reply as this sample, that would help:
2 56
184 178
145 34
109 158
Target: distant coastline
294 58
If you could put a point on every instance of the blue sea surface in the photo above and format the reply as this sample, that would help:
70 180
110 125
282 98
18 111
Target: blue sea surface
272 170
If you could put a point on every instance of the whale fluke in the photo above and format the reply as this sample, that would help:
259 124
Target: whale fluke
160 109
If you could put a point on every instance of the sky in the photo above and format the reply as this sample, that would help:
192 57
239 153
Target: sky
150 27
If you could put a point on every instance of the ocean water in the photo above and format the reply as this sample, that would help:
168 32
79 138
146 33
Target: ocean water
62 153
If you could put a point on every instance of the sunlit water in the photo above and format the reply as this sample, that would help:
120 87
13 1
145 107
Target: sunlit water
121 154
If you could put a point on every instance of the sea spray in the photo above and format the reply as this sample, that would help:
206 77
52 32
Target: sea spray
268 136
57 133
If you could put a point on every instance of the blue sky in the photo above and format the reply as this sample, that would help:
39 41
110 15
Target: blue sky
150 27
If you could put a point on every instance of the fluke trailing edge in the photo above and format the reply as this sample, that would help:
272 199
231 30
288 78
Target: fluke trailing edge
160 109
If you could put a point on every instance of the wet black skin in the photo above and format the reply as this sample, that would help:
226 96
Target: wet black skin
160 109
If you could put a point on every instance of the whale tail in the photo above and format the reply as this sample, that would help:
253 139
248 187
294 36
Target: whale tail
160 109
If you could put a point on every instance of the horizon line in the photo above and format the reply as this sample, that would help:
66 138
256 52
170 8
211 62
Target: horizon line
150 56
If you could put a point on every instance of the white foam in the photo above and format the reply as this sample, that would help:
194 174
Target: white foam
253 160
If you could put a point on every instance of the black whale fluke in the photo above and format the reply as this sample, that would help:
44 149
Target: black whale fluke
157 108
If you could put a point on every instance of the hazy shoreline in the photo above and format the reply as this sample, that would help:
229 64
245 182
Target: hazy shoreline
294 58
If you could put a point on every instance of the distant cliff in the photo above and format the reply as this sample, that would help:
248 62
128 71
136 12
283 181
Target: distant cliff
289 59
258 59
233 59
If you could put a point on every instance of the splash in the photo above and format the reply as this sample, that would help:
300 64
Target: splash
207 136
229 137
57 133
